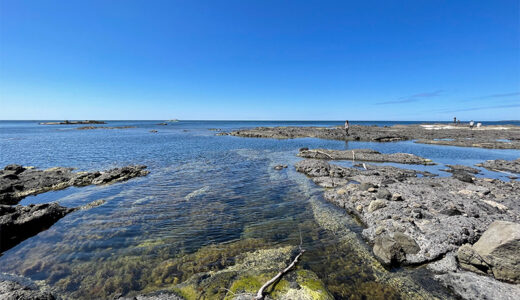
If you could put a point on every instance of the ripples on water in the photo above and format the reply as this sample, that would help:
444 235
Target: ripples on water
206 200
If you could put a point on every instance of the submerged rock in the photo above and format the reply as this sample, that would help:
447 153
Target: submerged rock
17 182
458 168
496 253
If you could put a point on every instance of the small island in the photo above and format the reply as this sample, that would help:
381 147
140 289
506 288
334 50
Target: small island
67 122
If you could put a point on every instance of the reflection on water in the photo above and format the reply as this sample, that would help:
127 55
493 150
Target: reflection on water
208 202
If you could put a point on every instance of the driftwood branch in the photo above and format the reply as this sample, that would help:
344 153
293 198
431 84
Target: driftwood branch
320 152
260 294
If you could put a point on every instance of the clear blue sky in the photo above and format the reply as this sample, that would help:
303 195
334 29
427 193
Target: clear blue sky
253 60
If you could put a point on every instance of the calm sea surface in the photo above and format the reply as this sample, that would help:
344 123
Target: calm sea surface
204 193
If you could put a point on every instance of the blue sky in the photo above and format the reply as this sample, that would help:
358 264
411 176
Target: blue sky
260 60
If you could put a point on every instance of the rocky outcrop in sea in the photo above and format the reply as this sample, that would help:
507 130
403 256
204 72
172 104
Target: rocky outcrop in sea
492 137
18 223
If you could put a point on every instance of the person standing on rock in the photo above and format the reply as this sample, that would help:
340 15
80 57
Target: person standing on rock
471 124
346 128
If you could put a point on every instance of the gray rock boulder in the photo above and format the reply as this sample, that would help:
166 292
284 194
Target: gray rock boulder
496 253
392 249
468 285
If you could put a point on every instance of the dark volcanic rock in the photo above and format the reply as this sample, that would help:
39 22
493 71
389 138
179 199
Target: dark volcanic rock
73 122
463 176
512 166
20 222
11 290
17 182
365 155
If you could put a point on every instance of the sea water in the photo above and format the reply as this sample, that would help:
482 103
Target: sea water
207 196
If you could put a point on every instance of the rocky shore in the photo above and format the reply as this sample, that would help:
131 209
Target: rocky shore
17 182
494 137
18 223
73 122
451 224
502 165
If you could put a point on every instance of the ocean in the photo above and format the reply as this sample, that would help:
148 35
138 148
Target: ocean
207 200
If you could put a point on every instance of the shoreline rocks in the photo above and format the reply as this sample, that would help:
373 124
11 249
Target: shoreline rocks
493 137
17 182
18 223
440 214
511 166
365 155
413 220
73 122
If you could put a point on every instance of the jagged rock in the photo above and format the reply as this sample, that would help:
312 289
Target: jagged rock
20 222
463 176
17 182
496 253
471 286
512 166
11 290
392 249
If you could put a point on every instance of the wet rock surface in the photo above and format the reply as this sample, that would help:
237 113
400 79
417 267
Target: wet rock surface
20 222
494 137
12 290
17 182
512 166
365 155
